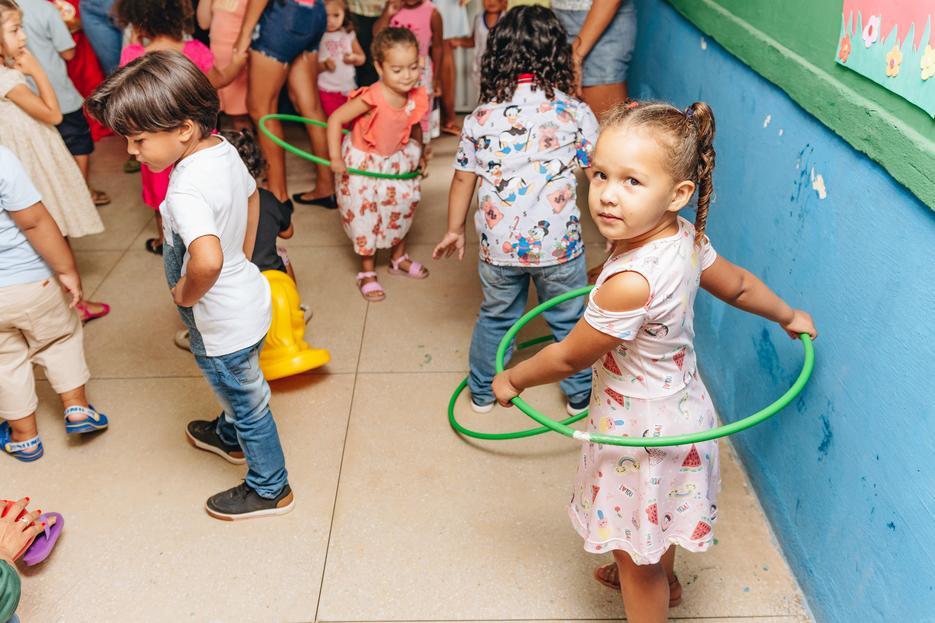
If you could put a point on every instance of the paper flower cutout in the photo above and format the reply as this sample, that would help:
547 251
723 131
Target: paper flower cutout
928 62
871 30
894 59
844 48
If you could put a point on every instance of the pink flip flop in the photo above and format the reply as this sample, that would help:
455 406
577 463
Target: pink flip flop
416 269
87 315
372 287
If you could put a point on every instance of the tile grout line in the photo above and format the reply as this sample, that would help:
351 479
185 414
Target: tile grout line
119 259
337 487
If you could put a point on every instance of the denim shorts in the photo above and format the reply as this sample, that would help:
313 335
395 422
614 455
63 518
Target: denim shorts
287 28
609 59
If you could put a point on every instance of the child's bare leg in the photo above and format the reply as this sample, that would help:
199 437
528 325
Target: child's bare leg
368 264
290 272
645 590
399 251
668 563
75 398
159 227
23 429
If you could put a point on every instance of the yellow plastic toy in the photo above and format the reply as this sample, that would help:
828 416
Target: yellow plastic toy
285 351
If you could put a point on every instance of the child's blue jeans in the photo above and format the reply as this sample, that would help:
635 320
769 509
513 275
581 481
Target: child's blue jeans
506 290
239 384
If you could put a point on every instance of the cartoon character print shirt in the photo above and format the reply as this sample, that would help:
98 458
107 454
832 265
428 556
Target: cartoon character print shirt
525 152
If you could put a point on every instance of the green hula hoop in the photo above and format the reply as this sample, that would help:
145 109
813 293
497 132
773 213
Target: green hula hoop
327 163
562 427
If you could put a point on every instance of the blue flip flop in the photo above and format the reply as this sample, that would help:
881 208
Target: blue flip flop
26 451
93 421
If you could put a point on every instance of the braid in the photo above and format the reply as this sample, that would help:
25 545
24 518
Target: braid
702 118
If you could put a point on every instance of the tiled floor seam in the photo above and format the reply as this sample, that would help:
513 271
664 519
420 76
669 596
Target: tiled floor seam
119 259
337 486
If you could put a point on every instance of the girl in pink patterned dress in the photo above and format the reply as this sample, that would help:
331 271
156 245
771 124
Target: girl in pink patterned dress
386 138
637 334
162 25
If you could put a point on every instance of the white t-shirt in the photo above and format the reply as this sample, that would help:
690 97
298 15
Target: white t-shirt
207 196
335 45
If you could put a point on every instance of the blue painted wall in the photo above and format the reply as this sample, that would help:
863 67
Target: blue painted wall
845 475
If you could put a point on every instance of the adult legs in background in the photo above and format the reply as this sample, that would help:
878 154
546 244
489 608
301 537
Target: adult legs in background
449 91
303 91
366 74
105 37
266 78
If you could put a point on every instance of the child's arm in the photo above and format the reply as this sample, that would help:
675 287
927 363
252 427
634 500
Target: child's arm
205 260
203 14
392 8
357 56
349 111
253 221
436 52
222 77
46 238
459 202
739 287
43 107
623 292
462 42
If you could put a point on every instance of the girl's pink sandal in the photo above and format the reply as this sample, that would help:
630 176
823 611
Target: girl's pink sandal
416 269
372 291
86 314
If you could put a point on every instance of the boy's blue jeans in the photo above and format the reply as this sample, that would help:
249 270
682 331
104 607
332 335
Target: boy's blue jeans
506 290
246 420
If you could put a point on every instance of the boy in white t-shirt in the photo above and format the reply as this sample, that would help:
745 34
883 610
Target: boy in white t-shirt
210 220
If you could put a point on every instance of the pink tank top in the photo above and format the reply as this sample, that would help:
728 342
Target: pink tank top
419 21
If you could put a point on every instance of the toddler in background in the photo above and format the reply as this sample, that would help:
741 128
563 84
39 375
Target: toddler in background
26 121
483 23
37 326
524 143
386 138
223 19
425 22
49 40
338 55
167 109
162 25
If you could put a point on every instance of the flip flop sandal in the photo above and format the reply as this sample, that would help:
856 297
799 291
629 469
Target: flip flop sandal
92 422
415 271
100 198
86 314
451 129
371 287
45 541
154 246
599 576
329 202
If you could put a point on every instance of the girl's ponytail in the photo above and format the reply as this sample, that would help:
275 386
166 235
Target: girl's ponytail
702 117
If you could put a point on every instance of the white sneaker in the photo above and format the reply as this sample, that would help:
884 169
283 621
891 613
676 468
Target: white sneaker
572 411
476 408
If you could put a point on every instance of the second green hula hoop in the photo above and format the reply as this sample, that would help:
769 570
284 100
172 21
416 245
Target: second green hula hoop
548 424
310 156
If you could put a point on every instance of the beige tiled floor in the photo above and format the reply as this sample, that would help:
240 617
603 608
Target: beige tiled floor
397 519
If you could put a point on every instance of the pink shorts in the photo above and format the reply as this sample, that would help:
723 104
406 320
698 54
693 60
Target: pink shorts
331 101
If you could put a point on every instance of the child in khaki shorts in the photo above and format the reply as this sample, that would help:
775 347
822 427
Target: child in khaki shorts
37 325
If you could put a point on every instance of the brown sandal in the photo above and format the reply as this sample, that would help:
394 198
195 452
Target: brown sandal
614 583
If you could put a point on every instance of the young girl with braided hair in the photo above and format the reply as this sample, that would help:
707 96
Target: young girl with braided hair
637 335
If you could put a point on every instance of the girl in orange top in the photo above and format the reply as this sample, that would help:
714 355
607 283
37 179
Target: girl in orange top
386 138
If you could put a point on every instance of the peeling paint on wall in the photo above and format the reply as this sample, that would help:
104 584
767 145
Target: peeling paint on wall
818 183
767 120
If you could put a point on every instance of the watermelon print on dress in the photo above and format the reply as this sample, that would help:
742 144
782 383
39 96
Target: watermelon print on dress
651 373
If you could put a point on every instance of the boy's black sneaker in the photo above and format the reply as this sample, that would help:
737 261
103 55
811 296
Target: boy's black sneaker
203 435
575 408
242 502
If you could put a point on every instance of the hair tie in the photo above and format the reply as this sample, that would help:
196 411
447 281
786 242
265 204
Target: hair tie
689 112
631 104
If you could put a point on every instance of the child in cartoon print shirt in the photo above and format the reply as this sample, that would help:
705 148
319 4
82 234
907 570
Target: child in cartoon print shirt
524 143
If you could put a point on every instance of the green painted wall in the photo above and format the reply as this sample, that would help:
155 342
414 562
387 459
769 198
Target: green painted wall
792 43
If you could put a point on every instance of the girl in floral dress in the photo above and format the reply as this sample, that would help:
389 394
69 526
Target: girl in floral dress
386 138
637 334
